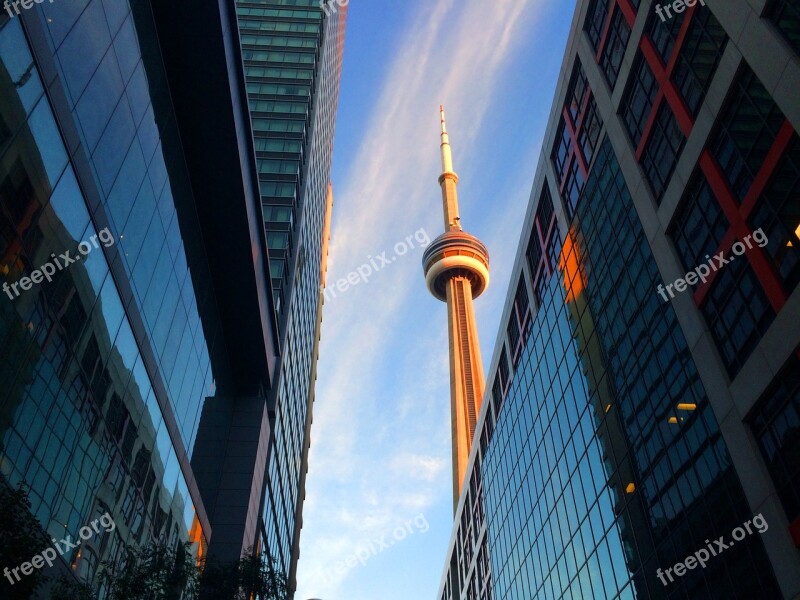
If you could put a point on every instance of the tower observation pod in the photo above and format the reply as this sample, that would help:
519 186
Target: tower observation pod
456 267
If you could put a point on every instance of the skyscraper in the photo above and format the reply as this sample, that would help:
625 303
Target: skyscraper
109 363
456 267
292 53
165 376
639 439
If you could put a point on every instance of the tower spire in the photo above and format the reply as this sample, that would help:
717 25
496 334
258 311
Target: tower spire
448 180
447 155
456 266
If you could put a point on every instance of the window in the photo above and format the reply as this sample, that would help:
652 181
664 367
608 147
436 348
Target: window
777 213
746 131
497 395
513 331
540 263
540 285
282 167
279 89
277 240
698 59
277 189
544 213
573 188
590 131
85 564
554 246
271 106
278 57
738 314
278 73
595 19
699 224
775 423
276 268
278 26
664 34
534 252
278 125
541 223
278 41
272 12
501 383
519 322
576 92
560 154
614 50
638 99
487 431
278 214
661 153
278 145
786 16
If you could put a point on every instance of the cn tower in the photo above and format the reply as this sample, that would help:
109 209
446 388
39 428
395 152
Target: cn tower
456 266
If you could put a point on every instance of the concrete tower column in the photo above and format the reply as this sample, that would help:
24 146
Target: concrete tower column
456 267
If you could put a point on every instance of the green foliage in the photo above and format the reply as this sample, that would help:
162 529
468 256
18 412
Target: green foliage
254 576
70 589
261 579
154 572
21 538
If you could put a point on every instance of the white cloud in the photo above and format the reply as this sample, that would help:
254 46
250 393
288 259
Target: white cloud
380 440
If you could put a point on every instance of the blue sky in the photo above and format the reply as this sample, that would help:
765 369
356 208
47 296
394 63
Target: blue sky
380 441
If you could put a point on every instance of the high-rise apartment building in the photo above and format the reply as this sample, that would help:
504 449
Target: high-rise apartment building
292 53
640 437
146 368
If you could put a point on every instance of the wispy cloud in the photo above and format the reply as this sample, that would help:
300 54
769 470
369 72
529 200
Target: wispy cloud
380 449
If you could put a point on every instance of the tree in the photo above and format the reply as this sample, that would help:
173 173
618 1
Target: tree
21 538
70 589
153 572
254 576
158 572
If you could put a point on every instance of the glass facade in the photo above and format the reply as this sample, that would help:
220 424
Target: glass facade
602 462
753 142
595 477
776 425
106 366
126 336
292 56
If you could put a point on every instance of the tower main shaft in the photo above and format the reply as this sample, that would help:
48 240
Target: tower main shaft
456 267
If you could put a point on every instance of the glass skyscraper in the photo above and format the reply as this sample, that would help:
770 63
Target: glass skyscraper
636 414
163 371
292 57
104 365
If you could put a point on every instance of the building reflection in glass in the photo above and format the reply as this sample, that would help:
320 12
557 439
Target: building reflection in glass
606 461
79 421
